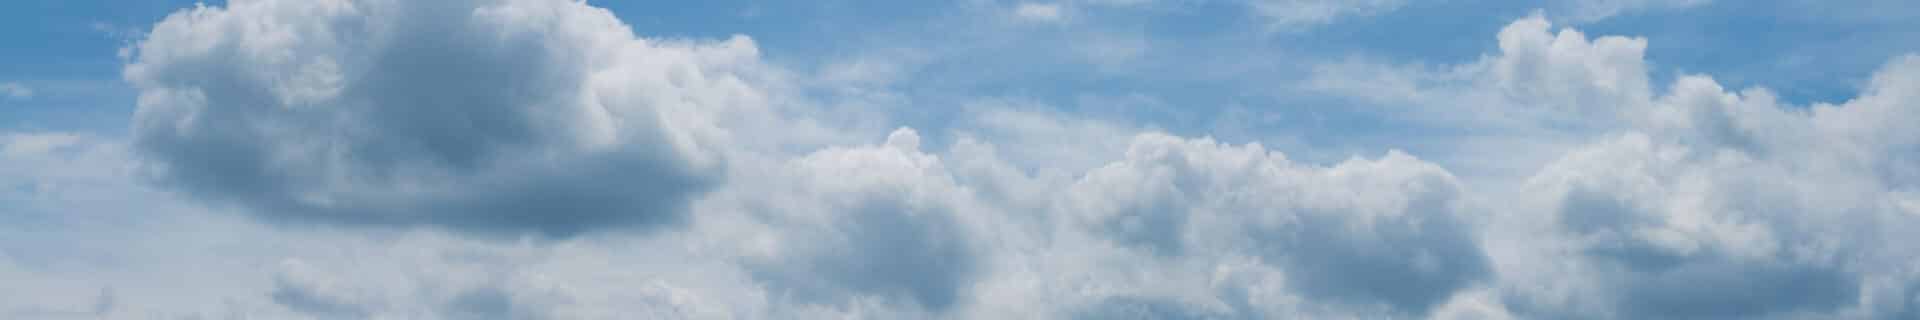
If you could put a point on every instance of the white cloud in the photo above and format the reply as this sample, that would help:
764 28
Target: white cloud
1539 79
36 144
884 222
1047 140
1645 213
890 230
1693 188
1689 202
541 116
1041 12
1396 218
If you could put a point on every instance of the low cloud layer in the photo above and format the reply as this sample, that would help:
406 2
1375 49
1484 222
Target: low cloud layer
536 159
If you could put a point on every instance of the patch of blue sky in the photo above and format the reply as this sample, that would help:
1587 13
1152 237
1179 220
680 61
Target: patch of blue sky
1805 51
67 53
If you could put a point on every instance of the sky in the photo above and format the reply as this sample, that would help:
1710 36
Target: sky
970 159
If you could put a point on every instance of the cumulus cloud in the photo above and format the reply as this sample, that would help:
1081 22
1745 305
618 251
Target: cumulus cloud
508 116
896 230
877 221
1658 223
1369 233
1733 191
1695 201
550 117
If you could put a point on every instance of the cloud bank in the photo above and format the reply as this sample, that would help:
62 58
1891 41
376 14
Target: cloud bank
536 159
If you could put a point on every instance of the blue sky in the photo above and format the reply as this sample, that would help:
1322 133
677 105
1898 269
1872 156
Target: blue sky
1190 61
972 159
1806 51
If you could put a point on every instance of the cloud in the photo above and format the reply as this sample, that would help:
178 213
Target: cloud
1539 79
1039 12
538 116
1706 188
66 174
37 144
1137 308
1694 201
15 91
1590 11
298 289
548 117
1365 233
875 221
1658 224
1292 15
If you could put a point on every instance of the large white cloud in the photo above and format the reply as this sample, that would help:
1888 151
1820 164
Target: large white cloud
1669 230
892 230
1689 202
540 116
881 223
1385 233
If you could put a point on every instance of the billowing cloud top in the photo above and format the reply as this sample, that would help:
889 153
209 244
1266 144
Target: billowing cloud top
509 116
536 159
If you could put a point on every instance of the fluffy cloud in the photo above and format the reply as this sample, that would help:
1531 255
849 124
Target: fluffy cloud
892 230
549 117
1737 192
1658 224
1369 233
879 222
1696 202
1540 78
1807 197
506 116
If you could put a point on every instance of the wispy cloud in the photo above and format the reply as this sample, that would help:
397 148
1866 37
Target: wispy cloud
15 91
1043 12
